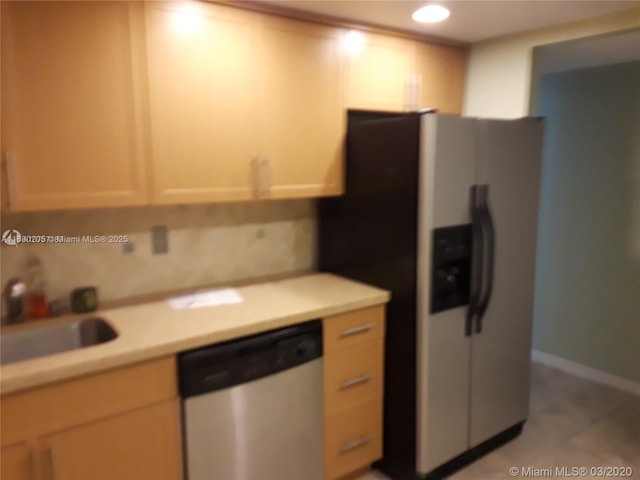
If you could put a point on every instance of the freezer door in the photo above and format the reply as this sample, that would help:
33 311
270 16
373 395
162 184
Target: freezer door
442 348
509 163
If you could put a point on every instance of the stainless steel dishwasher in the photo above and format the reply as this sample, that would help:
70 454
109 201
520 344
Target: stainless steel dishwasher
253 407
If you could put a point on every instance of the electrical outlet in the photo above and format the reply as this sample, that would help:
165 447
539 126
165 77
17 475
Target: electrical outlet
159 240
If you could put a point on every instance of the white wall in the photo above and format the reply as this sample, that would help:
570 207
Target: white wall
499 71
587 308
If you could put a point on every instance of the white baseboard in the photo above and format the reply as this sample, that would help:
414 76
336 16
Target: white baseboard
583 371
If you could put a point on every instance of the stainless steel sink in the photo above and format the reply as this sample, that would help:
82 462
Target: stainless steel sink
34 342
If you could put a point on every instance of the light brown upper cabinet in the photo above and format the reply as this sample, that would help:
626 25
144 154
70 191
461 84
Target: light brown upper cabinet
202 73
72 105
398 74
442 71
122 103
242 106
379 67
301 109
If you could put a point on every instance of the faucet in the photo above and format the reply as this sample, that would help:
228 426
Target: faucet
13 296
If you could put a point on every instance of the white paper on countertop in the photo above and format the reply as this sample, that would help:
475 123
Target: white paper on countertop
209 298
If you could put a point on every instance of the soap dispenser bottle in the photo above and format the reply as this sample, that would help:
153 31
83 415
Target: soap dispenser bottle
37 306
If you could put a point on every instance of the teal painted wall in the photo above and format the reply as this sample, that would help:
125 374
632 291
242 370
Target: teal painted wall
587 306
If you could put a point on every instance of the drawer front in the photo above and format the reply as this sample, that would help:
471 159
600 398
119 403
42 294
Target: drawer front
78 401
353 439
353 376
353 328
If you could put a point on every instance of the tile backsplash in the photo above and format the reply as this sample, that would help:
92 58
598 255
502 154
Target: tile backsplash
207 244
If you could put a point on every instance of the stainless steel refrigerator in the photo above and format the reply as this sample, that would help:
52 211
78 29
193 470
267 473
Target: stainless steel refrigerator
443 210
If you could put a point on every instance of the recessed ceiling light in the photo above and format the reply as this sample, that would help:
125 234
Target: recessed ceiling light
430 14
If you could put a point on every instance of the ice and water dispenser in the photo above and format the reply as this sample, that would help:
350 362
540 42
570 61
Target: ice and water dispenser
451 273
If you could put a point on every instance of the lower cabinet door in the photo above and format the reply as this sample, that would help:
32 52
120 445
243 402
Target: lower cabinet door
140 445
353 439
16 463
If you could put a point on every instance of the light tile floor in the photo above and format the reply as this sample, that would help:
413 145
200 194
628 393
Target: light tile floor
572 423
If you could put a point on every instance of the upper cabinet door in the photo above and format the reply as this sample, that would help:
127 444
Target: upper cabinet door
202 64
442 71
302 111
379 67
71 104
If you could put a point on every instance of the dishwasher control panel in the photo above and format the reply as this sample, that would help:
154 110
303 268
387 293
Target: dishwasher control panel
231 363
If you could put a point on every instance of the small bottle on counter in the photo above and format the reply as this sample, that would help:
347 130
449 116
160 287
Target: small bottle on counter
37 306
13 301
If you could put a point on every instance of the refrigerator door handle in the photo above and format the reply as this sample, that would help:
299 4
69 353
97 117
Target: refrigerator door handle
488 260
477 259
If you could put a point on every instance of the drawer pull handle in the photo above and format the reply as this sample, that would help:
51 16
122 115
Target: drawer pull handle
266 173
355 381
361 442
257 178
11 179
35 466
52 463
356 330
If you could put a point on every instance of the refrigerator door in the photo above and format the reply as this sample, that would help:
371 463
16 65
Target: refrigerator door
448 147
509 163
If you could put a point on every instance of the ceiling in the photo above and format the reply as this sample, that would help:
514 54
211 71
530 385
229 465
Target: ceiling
470 20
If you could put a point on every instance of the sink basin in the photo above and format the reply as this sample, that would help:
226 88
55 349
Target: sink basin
41 341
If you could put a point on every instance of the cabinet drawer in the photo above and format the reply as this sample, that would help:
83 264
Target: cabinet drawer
353 439
81 400
353 328
352 377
